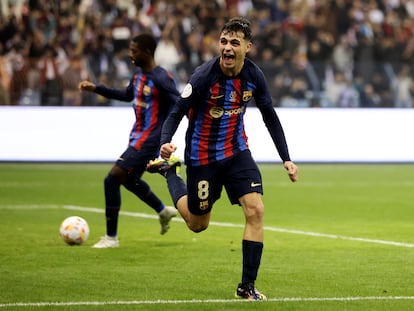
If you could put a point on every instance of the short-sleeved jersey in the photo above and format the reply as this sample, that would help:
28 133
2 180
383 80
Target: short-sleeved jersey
152 94
215 105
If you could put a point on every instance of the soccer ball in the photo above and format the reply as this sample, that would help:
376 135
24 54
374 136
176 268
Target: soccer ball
74 230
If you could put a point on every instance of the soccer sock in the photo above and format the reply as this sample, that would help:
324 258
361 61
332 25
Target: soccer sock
112 214
252 255
176 186
112 203
142 190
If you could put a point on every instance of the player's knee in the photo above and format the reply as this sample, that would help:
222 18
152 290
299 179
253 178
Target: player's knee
198 223
197 228
254 212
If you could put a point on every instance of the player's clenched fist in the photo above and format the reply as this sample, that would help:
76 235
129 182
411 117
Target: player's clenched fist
166 150
87 86
292 170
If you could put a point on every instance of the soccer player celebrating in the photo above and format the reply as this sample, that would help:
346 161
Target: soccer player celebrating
216 152
153 92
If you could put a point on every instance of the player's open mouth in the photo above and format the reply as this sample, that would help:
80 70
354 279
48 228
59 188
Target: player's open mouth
228 58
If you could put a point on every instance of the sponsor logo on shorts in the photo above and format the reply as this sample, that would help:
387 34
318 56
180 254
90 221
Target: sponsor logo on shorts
255 184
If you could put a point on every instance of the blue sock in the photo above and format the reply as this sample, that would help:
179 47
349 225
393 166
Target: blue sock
176 186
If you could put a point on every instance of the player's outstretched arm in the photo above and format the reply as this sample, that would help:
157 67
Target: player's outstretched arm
292 170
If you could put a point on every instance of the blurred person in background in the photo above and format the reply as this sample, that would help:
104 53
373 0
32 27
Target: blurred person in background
73 75
4 79
167 53
403 86
18 73
51 85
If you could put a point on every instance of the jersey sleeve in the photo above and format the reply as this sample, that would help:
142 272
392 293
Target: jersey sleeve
169 91
175 116
186 99
125 95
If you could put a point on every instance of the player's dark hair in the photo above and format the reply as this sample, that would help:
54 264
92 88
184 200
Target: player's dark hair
237 24
146 42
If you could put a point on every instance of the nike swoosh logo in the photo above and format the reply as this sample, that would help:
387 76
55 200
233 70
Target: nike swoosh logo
216 96
253 184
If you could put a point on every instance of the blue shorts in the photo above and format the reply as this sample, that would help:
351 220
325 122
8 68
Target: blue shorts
135 161
239 175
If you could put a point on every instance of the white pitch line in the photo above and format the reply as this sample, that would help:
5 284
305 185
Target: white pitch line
218 224
340 237
200 301
268 228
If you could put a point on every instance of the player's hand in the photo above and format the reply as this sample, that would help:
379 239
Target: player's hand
292 170
167 150
87 86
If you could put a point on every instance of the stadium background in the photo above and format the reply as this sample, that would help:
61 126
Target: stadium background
314 53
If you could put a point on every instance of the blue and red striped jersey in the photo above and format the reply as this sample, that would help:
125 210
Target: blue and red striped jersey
215 106
152 94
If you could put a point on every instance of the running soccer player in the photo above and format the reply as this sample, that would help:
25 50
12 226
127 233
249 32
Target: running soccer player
153 92
216 152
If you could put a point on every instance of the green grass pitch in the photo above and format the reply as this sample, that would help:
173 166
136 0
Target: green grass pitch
341 238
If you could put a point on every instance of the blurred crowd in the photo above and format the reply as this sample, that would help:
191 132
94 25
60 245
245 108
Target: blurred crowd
314 53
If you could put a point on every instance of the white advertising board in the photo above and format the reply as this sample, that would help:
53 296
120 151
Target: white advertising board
100 134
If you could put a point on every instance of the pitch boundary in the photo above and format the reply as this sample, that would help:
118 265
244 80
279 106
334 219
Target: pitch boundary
200 301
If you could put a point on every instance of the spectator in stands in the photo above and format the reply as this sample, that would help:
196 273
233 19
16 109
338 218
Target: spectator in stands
378 33
404 88
368 98
73 75
50 79
343 57
4 79
18 73
167 54
335 85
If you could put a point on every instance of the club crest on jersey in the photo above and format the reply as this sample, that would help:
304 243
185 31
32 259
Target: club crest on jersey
142 104
216 112
146 90
247 95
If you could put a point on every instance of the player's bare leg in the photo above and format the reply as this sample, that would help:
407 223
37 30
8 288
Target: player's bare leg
253 209
195 223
